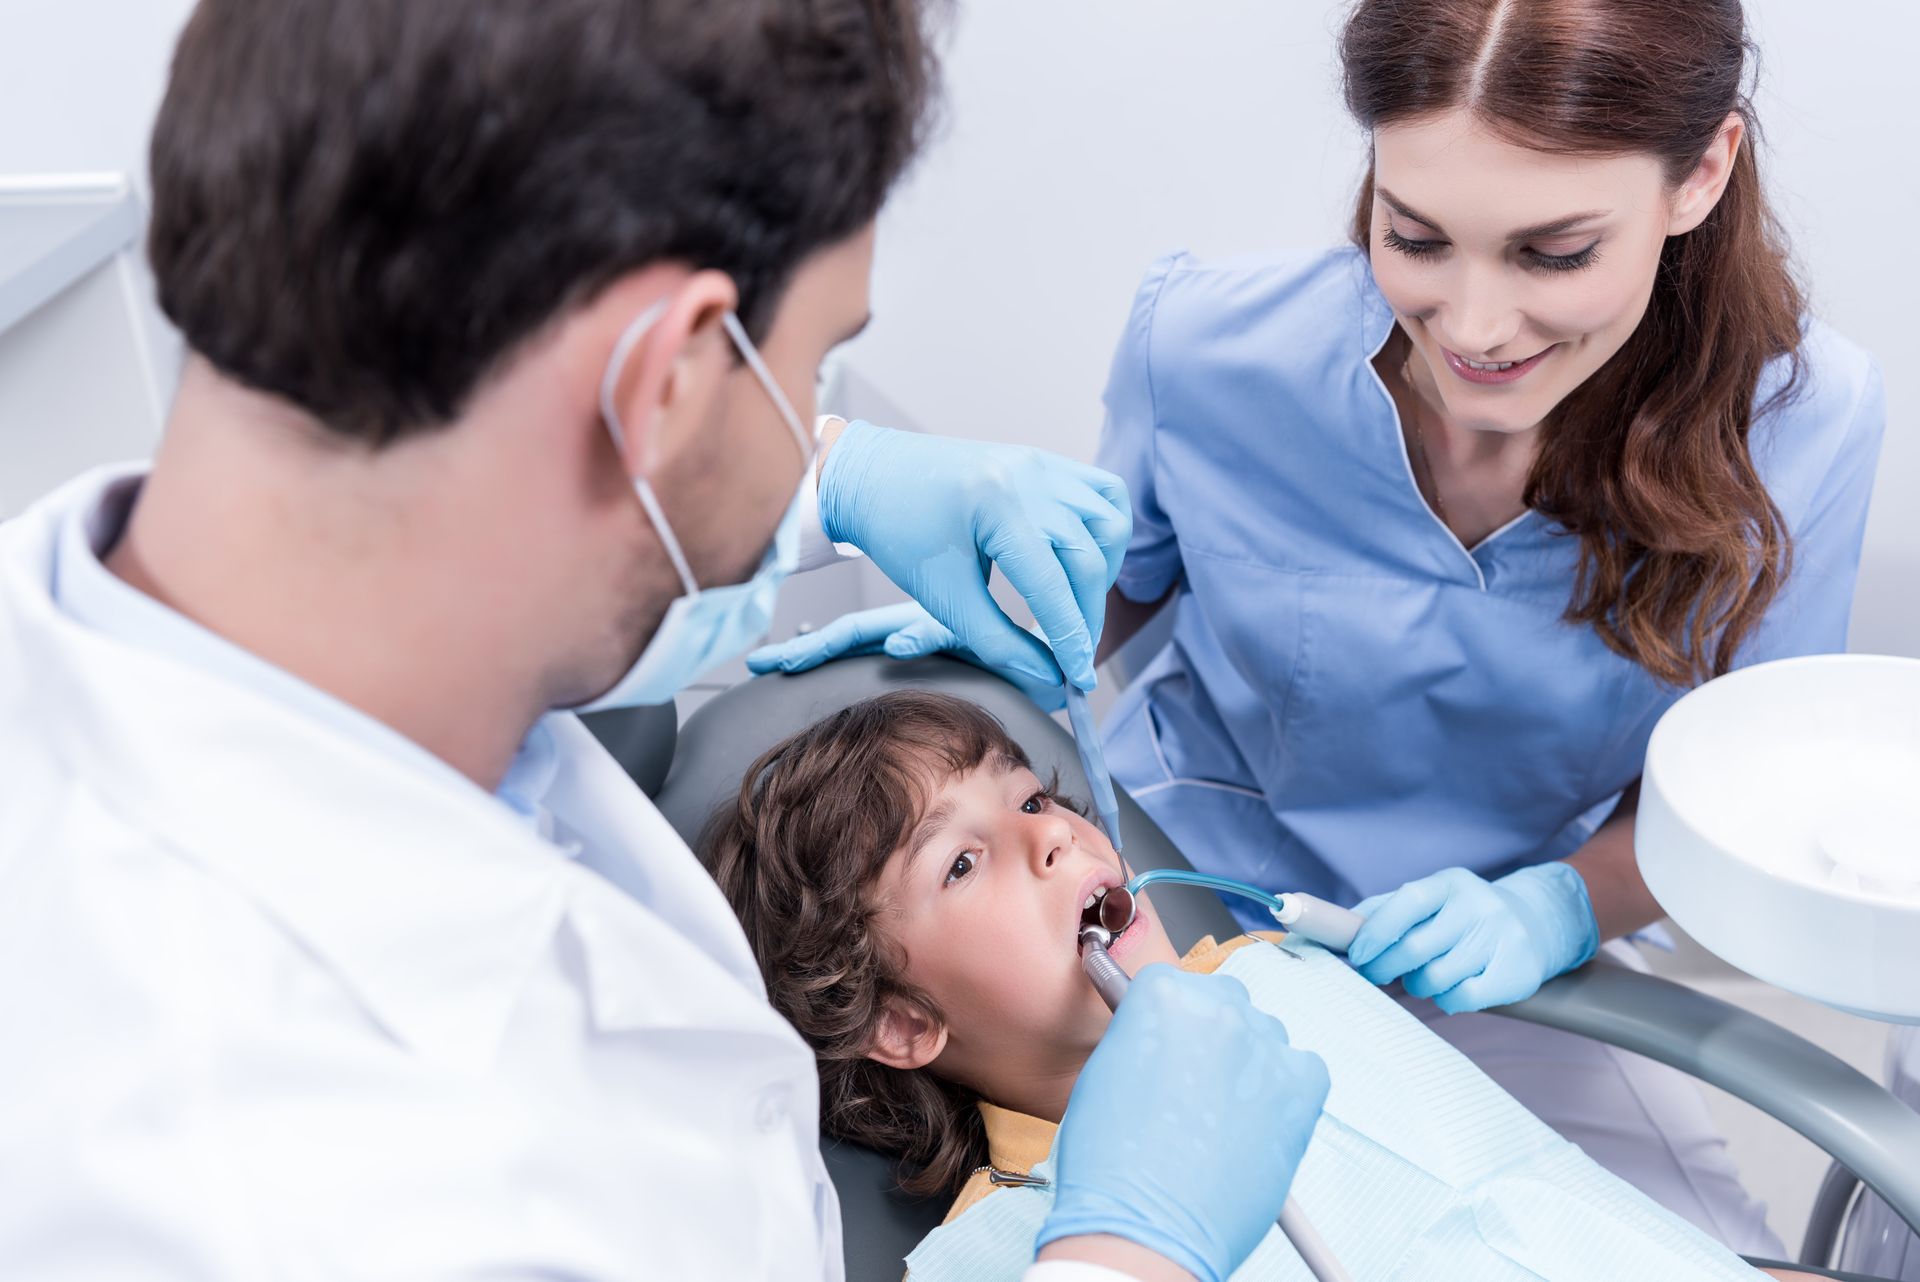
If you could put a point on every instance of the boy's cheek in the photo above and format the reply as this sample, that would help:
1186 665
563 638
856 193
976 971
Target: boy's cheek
997 968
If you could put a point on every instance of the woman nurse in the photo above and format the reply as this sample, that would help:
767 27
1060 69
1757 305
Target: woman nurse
1449 517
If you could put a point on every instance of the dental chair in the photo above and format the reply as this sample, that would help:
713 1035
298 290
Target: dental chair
1852 1118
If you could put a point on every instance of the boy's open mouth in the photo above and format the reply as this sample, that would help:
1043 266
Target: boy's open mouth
1111 908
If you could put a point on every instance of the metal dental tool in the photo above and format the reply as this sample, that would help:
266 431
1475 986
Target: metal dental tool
1108 979
1093 762
1111 983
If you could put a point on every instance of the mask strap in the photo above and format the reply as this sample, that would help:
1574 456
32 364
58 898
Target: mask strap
622 349
644 493
808 441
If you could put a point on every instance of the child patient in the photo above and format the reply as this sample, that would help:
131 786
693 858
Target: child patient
913 892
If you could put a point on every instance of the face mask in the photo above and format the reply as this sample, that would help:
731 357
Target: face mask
703 626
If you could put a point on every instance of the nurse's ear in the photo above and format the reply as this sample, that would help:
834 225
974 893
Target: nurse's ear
669 384
907 1036
1696 197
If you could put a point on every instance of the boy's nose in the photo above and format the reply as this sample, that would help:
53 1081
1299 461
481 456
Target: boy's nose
1049 839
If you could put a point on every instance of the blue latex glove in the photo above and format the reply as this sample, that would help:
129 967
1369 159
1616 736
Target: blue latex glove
935 513
1187 1124
904 631
1469 943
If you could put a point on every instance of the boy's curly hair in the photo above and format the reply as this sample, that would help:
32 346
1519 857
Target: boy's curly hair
798 853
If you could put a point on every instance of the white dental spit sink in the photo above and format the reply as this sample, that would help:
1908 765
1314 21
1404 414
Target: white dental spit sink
1779 825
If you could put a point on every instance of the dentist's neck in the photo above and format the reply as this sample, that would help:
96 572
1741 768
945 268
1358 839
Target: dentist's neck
389 578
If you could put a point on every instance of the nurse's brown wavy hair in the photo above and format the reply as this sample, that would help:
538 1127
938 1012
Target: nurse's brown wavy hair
799 852
1647 463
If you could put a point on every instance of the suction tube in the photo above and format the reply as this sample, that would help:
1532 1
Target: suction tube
1307 916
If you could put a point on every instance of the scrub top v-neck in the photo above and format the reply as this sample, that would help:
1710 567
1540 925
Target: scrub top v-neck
1352 698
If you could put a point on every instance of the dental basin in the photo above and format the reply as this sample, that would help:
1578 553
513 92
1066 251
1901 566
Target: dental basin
1779 825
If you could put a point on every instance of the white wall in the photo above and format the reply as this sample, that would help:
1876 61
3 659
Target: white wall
80 81
1836 104
83 378
1086 137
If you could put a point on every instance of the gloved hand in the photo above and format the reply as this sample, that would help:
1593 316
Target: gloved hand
934 513
1187 1124
1469 943
904 631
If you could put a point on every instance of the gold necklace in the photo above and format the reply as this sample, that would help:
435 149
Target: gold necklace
1420 442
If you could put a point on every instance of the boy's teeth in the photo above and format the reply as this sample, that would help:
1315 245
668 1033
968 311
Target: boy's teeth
1090 899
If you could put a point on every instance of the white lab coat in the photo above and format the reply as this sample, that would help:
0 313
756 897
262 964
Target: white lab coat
274 1004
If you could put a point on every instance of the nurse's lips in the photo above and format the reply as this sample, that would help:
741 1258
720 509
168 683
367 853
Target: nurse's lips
1493 372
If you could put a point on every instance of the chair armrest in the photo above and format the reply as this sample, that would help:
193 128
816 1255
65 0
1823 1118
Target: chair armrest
1847 1114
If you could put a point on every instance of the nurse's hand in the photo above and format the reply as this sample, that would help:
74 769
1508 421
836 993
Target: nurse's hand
936 513
1186 1126
1469 943
904 631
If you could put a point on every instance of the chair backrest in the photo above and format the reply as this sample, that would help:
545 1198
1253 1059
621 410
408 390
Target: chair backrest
640 739
723 738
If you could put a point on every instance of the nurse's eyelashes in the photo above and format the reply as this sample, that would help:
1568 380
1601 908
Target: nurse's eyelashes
1410 247
1533 258
1564 262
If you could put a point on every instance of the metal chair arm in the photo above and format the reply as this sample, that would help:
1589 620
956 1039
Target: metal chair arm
1848 1115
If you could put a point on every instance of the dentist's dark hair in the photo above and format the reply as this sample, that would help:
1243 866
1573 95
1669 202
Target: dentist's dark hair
1648 462
364 206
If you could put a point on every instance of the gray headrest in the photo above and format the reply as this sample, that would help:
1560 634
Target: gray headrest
640 739
723 738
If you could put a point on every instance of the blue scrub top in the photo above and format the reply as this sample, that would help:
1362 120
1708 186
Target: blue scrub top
1351 698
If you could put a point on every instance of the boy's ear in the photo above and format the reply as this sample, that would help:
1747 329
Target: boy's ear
908 1036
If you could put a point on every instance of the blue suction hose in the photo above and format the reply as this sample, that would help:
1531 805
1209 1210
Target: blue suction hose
1307 916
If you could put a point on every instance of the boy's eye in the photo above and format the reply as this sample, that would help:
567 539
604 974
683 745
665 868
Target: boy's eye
1036 804
962 865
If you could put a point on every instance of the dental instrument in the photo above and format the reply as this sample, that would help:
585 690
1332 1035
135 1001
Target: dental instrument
1111 983
1093 762
1307 916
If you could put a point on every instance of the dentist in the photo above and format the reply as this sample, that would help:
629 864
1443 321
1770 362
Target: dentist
331 944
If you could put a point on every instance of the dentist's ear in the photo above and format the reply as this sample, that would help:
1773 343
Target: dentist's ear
908 1036
667 383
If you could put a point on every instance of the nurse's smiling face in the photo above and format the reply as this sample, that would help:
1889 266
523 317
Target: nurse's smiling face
1517 273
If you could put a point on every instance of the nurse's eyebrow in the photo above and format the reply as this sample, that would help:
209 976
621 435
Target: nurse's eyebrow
1539 231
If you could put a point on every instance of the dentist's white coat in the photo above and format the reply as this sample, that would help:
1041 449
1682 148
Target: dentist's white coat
275 1004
